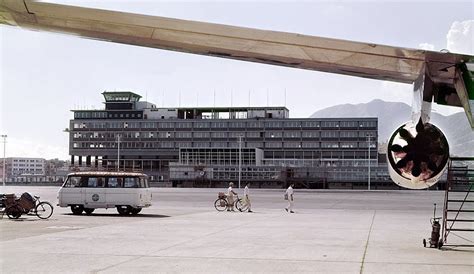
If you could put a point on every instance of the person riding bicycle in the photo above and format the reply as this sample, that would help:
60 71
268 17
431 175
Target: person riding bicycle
230 197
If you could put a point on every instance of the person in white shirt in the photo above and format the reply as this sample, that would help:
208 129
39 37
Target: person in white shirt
248 205
289 195
230 197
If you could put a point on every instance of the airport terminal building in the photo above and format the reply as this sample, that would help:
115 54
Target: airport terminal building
206 146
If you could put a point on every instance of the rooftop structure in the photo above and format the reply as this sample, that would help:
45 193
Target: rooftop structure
125 104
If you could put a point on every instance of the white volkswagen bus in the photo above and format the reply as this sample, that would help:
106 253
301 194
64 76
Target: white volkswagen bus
86 191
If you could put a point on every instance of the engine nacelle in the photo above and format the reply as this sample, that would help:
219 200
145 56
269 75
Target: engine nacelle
417 155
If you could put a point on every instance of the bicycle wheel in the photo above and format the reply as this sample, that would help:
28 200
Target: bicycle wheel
14 211
44 210
220 204
240 205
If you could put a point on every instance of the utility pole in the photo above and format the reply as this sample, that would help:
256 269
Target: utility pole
118 152
240 158
368 142
4 136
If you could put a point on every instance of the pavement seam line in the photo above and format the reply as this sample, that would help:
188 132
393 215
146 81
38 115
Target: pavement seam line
117 264
255 259
367 243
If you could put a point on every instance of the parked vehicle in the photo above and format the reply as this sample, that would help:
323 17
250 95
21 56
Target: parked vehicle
25 204
85 191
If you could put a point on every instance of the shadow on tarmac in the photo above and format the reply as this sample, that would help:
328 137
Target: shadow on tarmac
459 248
117 215
25 219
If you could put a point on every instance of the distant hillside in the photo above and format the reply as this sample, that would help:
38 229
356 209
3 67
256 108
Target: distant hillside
392 114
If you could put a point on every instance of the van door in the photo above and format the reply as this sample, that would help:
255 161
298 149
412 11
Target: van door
71 192
131 187
145 195
95 193
115 194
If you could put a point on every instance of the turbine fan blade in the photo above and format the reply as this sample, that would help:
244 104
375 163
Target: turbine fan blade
397 148
432 166
420 127
416 170
406 135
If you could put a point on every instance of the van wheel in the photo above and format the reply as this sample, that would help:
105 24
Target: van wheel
89 211
123 210
77 209
135 211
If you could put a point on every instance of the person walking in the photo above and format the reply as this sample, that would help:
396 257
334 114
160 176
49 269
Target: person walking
289 197
248 205
230 197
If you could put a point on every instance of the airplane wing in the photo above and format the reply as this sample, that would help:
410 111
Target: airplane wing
450 75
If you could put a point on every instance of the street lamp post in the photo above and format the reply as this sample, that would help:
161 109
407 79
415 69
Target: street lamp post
4 136
240 158
369 136
118 152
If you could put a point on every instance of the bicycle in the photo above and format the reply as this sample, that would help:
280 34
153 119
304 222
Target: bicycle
221 203
14 208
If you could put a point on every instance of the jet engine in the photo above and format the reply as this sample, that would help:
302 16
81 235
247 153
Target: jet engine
417 155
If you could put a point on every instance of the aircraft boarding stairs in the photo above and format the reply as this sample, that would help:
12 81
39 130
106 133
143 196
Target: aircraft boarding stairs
458 212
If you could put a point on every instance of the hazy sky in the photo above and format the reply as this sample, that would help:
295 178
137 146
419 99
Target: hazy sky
44 75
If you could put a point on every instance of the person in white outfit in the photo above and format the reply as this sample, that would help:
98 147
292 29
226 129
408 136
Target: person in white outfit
230 197
248 205
289 195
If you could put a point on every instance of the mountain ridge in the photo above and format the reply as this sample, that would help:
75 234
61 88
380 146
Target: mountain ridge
393 114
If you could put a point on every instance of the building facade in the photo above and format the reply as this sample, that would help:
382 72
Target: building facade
16 166
131 134
33 170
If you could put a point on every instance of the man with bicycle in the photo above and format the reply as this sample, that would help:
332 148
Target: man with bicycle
230 197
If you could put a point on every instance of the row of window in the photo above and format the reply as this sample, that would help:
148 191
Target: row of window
90 114
28 160
147 145
28 165
27 169
228 124
106 182
103 115
205 134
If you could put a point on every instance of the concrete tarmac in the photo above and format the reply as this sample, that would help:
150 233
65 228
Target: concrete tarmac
331 232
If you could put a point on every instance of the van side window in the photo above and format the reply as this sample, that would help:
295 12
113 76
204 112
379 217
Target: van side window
143 183
84 181
92 182
101 182
130 182
114 182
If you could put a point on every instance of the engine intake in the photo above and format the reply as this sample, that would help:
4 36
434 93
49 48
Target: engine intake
417 155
